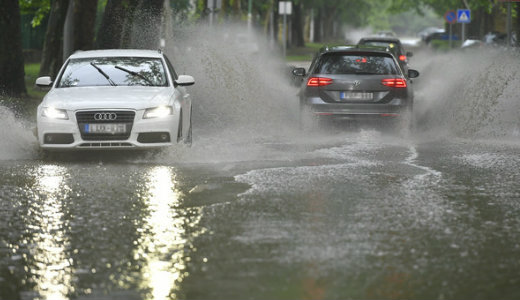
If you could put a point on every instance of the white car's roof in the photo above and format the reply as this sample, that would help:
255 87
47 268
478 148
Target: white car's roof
117 53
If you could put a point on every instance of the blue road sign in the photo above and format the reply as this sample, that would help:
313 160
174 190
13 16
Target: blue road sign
463 16
450 16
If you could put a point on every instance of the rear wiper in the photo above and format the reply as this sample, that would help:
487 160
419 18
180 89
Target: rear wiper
103 73
136 74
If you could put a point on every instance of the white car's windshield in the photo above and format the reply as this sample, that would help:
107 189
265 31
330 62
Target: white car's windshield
114 71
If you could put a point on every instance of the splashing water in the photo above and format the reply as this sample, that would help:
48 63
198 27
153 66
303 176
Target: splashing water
240 82
470 94
242 97
245 108
17 139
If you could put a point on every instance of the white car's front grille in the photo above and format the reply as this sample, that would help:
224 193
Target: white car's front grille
105 125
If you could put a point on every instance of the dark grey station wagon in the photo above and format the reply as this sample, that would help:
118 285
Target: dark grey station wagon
356 83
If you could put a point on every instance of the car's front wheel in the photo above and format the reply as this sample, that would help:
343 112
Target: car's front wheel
188 139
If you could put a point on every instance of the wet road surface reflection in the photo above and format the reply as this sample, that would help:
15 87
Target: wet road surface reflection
357 216
84 231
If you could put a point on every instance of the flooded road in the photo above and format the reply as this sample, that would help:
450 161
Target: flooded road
258 209
355 216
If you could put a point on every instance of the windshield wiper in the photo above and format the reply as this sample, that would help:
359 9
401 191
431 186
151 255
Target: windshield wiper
136 74
103 73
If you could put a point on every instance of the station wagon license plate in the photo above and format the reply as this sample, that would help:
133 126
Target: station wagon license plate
356 96
110 128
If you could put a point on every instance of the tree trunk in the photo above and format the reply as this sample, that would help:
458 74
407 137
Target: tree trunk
53 45
318 25
129 8
297 26
11 56
111 29
237 9
474 28
328 24
84 24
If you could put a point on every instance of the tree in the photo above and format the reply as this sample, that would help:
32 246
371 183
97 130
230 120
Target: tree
38 8
482 12
52 54
131 24
111 29
11 55
297 25
79 26
84 24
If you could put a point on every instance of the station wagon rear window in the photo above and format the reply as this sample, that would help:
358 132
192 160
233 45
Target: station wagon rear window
356 63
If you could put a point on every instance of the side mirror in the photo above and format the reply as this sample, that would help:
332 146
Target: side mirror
44 82
409 54
185 80
299 72
413 73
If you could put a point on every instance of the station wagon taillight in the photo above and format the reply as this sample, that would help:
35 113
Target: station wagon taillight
394 82
319 81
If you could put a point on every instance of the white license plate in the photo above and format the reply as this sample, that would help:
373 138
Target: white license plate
356 96
111 128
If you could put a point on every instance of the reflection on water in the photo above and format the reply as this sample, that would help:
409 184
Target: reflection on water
80 236
52 272
165 244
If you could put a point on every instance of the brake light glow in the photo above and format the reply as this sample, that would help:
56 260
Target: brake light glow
402 57
319 81
394 82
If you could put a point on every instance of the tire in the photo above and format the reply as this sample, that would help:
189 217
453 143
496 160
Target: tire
179 129
188 140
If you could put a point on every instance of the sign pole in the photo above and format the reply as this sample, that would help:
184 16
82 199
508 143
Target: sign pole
451 17
284 34
463 32
451 37
509 29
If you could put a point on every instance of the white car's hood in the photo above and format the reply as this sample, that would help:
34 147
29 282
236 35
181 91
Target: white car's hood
123 97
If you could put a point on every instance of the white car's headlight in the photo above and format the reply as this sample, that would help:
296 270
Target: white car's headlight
158 112
55 113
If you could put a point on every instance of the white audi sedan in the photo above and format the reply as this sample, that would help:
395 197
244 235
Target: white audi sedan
115 99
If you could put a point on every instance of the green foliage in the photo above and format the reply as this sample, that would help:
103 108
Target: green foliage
180 5
439 6
39 8
441 45
379 14
31 73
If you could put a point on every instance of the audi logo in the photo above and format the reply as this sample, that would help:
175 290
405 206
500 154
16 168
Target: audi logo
105 116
